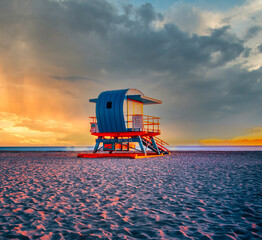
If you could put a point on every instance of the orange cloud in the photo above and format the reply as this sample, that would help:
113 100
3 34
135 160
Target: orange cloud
17 130
252 139
232 142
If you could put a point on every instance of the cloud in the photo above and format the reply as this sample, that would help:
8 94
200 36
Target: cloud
253 138
259 47
18 130
192 19
44 126
75 78
231 142
253 31
85 37
76 139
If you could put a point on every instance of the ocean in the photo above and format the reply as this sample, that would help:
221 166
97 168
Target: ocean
185 195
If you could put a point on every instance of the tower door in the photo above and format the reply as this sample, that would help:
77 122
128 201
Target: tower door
134 115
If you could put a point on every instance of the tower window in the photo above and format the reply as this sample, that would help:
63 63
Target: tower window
109 105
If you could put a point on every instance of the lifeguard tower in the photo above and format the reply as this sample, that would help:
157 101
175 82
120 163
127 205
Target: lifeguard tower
122 129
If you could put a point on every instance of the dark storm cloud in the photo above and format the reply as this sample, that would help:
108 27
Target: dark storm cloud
92 35
55 34
234 91
75 78
260 48
246 52
214 96
78 39
252 32
170 49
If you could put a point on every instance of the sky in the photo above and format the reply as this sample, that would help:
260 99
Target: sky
203 59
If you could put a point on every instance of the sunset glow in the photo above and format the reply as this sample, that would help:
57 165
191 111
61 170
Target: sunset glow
232 142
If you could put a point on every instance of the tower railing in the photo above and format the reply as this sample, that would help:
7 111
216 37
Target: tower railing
146 124
93 120
135 122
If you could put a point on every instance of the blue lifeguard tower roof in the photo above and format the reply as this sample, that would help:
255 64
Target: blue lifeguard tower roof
131 93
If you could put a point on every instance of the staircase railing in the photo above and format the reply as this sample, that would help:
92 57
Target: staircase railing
160 143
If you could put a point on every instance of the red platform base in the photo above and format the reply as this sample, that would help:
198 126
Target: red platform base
117 155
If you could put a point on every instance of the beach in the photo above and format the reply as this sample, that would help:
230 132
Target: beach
185 195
